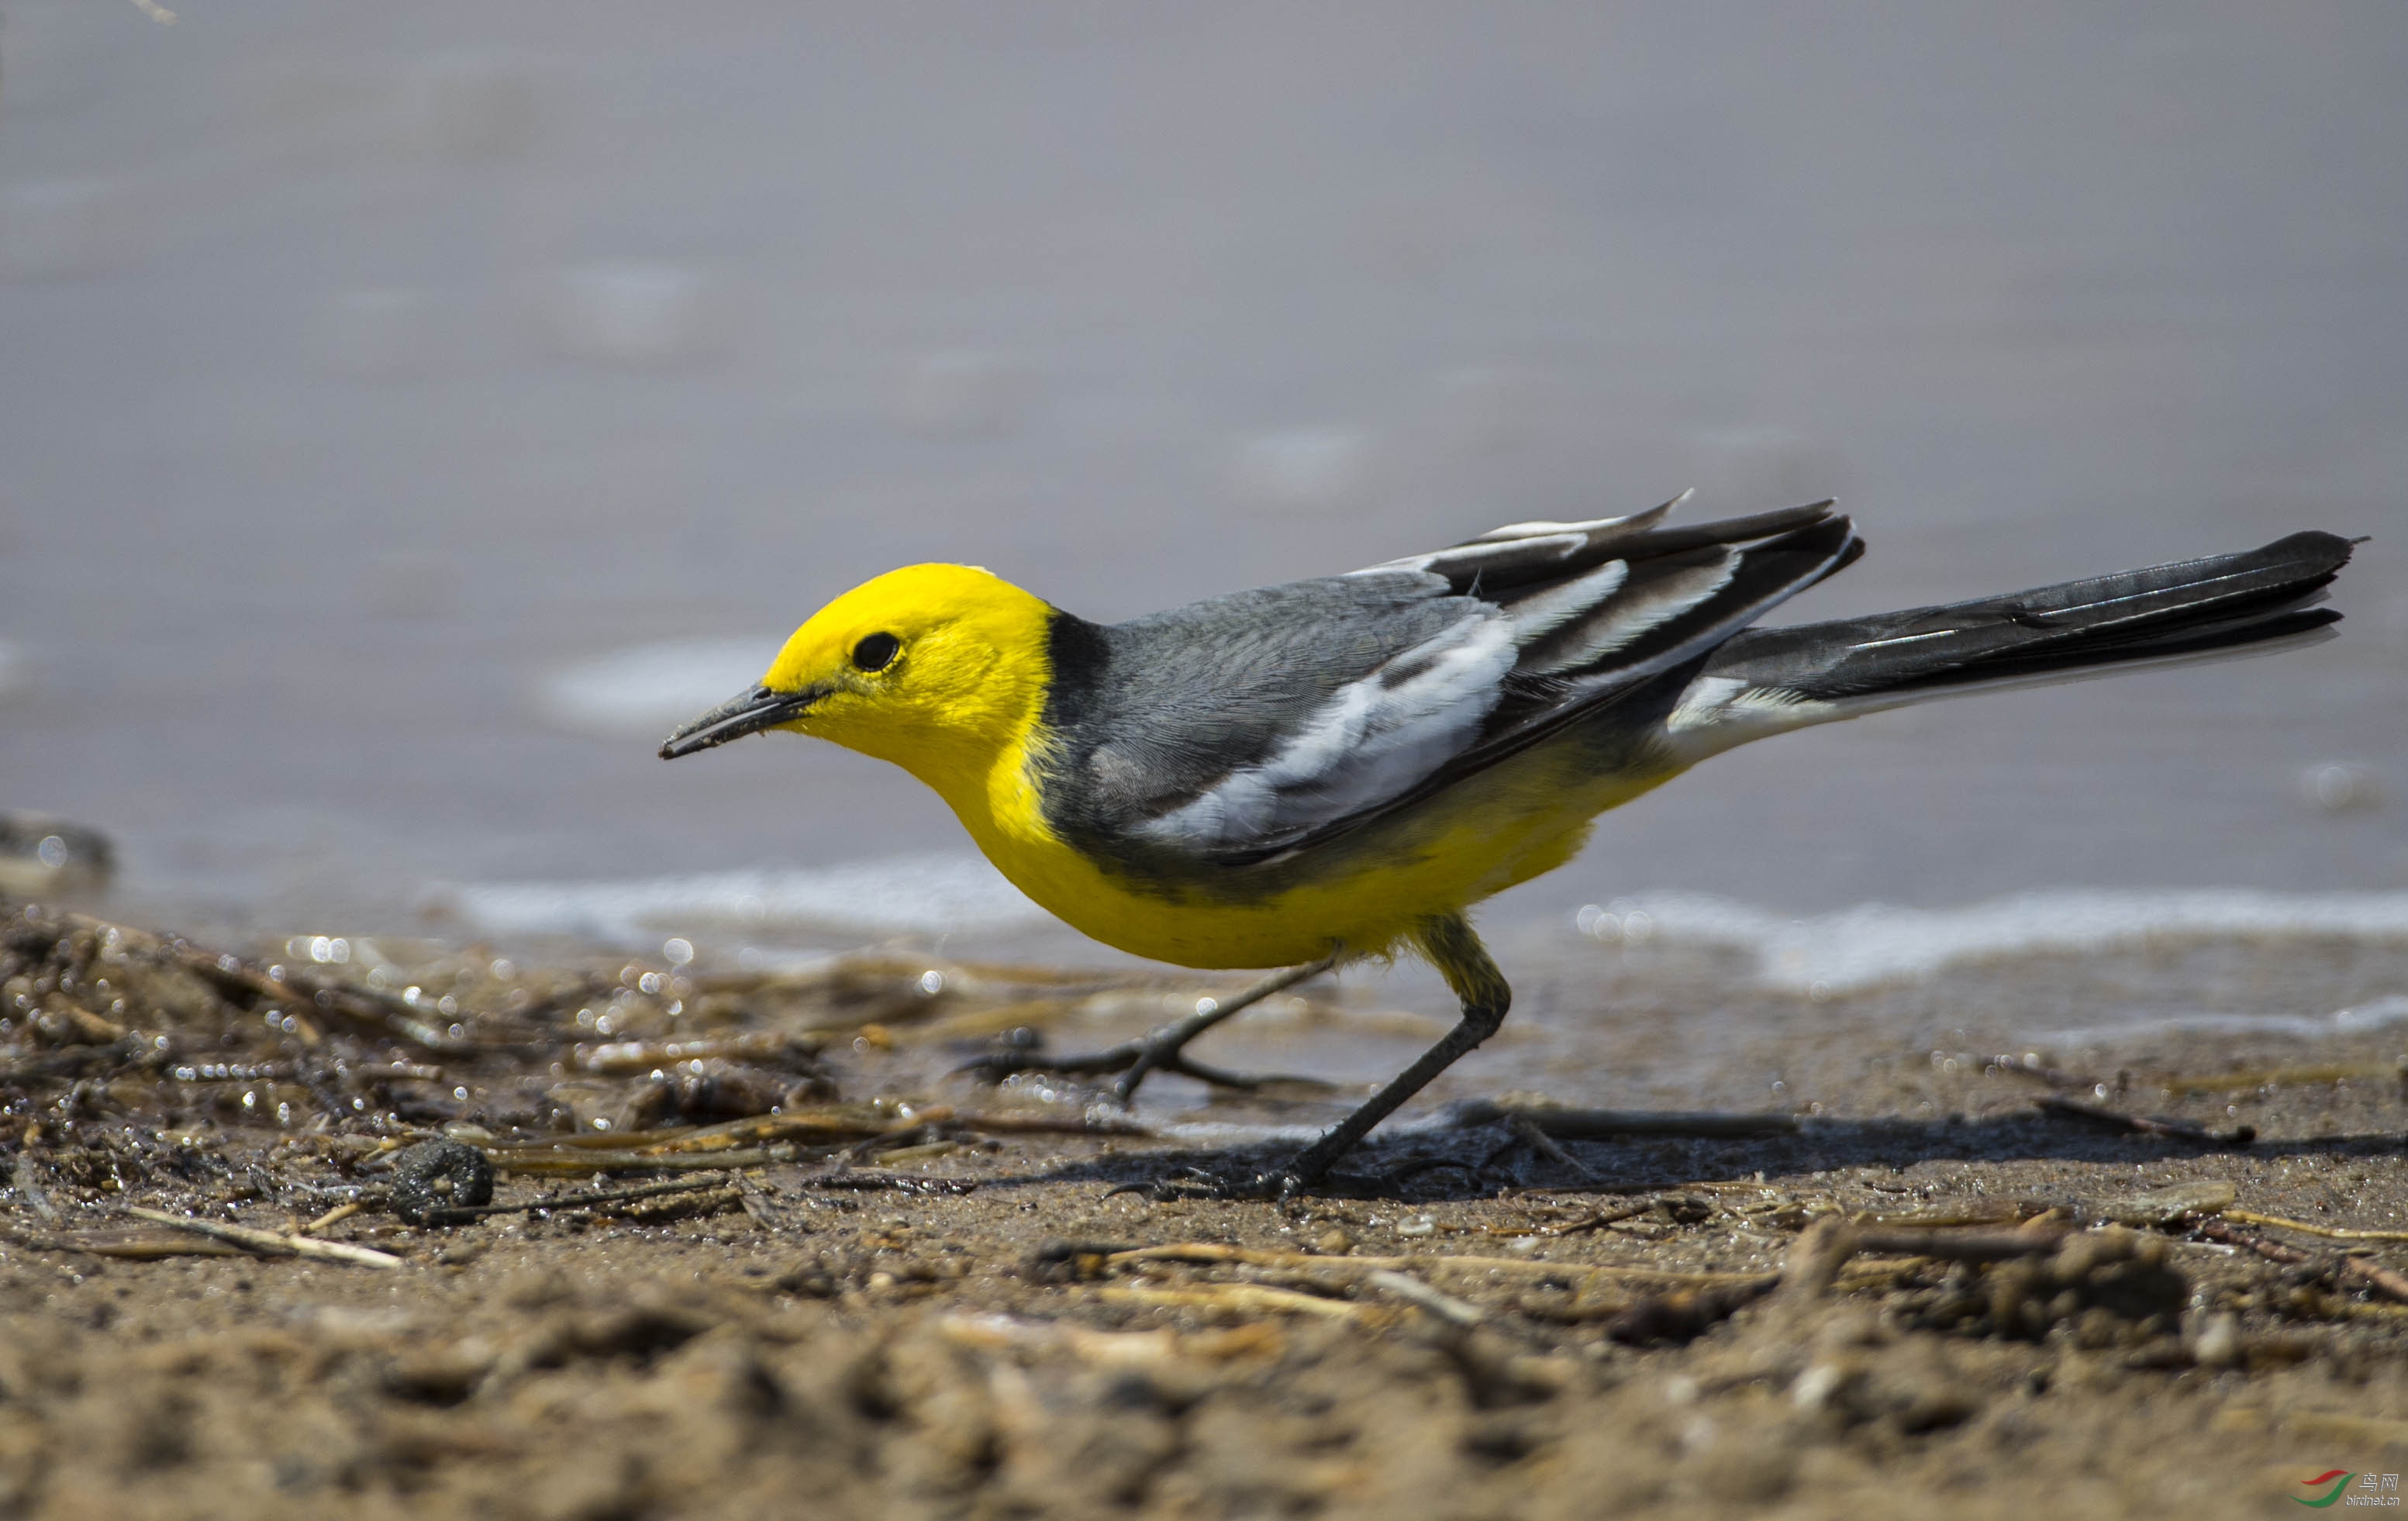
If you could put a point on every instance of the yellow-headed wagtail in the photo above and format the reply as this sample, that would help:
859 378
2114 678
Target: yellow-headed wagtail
1340 768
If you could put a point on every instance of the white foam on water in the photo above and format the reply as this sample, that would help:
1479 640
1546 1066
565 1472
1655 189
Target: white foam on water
937 894
1222 1134
650 689
2378 1014
1880 943
1855 947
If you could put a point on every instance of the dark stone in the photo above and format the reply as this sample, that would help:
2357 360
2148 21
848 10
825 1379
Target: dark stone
436 1176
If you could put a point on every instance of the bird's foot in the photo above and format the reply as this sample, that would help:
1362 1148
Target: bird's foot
1134 1060
1166 1049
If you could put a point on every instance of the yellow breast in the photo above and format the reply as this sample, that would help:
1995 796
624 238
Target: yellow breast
1364 892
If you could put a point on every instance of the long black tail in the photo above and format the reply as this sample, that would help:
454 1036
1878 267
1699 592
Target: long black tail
2191 609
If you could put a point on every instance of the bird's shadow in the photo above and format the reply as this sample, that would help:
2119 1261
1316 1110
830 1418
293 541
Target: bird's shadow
1438 1165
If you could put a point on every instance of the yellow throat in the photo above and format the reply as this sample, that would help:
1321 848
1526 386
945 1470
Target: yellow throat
957 703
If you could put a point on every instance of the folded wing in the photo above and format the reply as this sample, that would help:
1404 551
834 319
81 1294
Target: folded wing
1250 727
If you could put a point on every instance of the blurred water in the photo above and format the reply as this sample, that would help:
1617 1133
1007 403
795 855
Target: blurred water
404 408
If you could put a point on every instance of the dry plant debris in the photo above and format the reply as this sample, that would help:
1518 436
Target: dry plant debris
410 1230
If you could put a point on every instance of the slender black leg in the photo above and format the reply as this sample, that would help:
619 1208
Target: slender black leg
1166 1049
1450 945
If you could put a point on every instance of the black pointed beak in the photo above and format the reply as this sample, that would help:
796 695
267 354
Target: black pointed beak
747 712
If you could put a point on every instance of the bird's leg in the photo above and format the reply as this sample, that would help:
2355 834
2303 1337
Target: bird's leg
1449 944
1164 1050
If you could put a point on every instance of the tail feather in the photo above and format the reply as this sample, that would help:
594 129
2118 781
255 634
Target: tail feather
2211 603
1772 679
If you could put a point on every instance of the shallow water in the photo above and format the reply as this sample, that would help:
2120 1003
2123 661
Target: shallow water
408 414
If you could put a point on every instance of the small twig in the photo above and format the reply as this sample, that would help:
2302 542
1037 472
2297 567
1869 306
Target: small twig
1960 1244
2250 1217
1214 1253
1446 1307
1547 1145
2380 1277
2240 1135
924 1152
820 1124
1241 1297
562 1161
2216 1230
334 1216
1980 1212
1042 1124
1597 1221
894 1139
131 1245
621 1057
268 1241
2279 1076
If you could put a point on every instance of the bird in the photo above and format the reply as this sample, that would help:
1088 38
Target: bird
1342 767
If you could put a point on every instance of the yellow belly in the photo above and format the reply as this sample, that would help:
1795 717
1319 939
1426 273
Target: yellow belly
1516 821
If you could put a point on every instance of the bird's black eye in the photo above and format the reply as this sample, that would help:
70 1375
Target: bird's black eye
873 653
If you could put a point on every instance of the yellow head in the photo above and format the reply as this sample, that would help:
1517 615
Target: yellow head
936 668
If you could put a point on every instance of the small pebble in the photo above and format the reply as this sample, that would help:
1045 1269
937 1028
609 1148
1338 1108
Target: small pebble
439 1175
2218 1345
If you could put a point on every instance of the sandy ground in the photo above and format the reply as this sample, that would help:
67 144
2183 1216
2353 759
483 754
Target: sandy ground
849 1283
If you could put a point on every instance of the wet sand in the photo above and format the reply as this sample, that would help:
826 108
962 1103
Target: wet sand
853 1282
